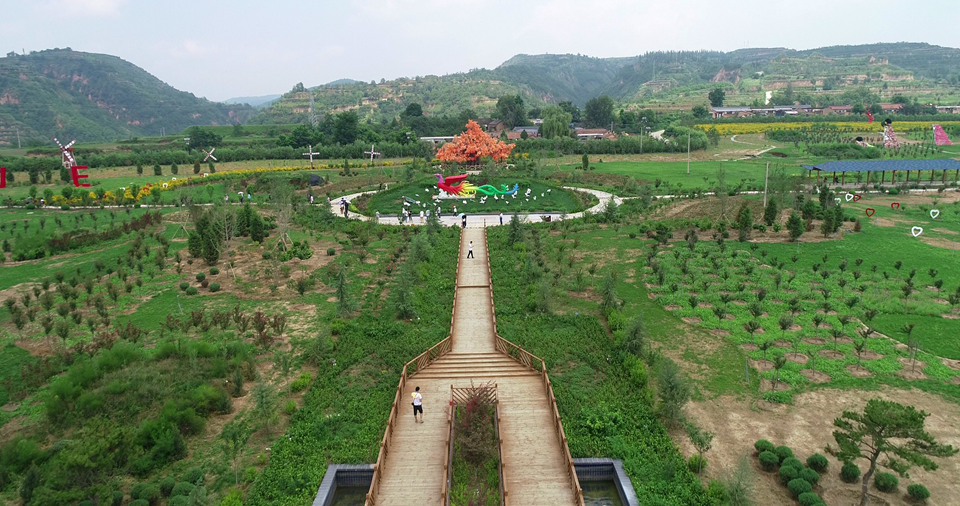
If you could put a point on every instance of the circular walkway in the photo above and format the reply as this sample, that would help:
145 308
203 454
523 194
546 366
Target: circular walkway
480 219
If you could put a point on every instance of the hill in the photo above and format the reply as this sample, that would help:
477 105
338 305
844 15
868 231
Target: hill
95 97
663 79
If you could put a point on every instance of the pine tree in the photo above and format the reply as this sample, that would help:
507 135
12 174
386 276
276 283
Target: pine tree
795 226
771 212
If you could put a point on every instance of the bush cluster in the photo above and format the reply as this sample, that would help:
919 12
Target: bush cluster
885 482
918 492
817 462
850 473
214 287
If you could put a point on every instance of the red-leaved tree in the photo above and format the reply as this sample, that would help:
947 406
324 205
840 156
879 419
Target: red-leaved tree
472 145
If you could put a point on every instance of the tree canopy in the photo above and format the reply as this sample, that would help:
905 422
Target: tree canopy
891 430
556 122
511 110
599 111
717 96
472 145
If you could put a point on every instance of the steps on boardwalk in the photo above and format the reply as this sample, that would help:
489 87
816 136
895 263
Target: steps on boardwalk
474 365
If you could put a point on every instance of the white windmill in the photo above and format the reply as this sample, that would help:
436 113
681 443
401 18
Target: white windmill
209 155
66 154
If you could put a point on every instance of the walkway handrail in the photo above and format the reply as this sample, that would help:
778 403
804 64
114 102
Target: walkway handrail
410 368
371 498
536 363
448 458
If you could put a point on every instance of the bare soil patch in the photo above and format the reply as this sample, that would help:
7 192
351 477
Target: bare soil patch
798 358
705 305
767 385
692 320
762 365
44 347
951 316
944 231
815 376
834 355
806 427
672 307
912 369
783 343
719 332
940 243
953 364
749 347
858 372
816 341
870 355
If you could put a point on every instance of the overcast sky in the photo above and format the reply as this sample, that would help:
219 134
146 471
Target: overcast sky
221 49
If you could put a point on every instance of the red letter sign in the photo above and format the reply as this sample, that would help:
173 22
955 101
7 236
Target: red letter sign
77 176
3 177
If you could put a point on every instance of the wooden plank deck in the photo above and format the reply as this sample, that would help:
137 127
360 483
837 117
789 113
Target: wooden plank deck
534 468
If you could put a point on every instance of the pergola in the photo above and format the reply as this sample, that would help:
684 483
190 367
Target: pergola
884 166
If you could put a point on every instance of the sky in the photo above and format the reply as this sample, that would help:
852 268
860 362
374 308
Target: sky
220 50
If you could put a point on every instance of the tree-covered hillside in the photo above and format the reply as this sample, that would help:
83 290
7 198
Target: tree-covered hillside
95 97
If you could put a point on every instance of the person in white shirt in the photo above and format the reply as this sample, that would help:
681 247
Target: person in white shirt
417 405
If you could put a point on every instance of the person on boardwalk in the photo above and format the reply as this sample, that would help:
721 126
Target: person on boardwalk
470 250
417 405
501 217
463 222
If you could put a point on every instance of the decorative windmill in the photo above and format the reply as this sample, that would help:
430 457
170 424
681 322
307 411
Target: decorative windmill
209 155
66 154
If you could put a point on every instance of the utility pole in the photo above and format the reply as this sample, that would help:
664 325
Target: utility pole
18 137
688 152
766 179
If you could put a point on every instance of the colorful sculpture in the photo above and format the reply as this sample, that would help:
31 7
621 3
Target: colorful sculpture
466 189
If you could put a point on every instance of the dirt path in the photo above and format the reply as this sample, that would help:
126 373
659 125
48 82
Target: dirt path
807 428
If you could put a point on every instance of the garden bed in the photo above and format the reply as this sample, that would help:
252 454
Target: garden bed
476 477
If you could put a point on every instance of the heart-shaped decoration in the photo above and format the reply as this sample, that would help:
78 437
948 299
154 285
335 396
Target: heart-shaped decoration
870 211
895 205
916 231
856 198
837 199
849 197
934 213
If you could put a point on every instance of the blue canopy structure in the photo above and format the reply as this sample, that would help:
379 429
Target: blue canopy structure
884 166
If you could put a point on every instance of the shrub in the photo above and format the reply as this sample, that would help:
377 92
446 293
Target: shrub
184 285
799 486
850 473
166 486
331 252
140 502
214 287
762 445
697 463
201 276
179 500
191 290
290 407
267 255
205 283
810 475
783 452
214 271
301 383
193 475
885 482
769 460
788 474
817 462
792 462
918 492
183 488
809 499
146 491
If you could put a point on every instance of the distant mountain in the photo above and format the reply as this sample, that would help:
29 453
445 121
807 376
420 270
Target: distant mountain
258 102
95 97
663 79
341 82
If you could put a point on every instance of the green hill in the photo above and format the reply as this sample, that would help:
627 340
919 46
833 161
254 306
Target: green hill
95 97
670 79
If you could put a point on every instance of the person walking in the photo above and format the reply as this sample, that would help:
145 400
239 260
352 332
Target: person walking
417 405
463 222
501 217
470 250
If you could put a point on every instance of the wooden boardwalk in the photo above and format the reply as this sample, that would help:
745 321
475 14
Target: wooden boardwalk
534 467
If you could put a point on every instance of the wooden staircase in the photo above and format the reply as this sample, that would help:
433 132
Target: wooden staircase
480 367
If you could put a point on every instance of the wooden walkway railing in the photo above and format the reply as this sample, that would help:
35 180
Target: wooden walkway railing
409 369
463 395
537 364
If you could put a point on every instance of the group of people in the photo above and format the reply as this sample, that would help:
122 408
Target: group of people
344 207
